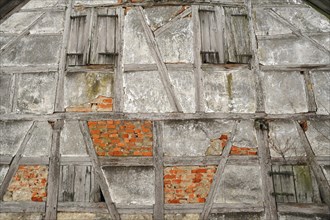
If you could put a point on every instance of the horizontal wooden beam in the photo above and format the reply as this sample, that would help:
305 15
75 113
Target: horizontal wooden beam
153 67
168 161
95 116
28 69
165 3
303 208
290 35
283 208
304 67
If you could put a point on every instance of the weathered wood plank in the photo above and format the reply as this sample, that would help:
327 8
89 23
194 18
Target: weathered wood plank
13 92
311 104
54 172
98 171
166 81
308 209
170 23
315 167
290 36
261 127
119 89
15 162
22 207
153 67
277 184
287 182
303 184
79 184
290 68
161 116
126 161
297 31
159 170
260 103
199 92
59 98
216 179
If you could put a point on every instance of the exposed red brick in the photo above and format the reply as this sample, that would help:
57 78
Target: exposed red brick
99 104
32 180
122 138
181 184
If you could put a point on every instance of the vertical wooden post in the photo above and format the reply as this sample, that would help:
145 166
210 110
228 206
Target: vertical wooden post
260 104
261 127
159 170
54 172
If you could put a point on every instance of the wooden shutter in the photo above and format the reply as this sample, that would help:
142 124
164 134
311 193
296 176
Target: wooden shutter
237 37
294 184
104 40
211 36
77 46
77 183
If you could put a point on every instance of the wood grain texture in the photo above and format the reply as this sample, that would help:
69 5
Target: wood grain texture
54 172
265 169
159 170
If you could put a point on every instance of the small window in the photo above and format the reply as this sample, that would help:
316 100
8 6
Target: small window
224 36
294 184
92 38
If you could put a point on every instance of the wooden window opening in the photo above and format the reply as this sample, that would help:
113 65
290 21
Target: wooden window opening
92 39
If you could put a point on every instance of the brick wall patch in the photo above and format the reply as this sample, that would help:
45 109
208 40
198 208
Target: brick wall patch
100 104
28 184
187 184
121 138
218 144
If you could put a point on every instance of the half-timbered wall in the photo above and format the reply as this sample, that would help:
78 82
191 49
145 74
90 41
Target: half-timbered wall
178 110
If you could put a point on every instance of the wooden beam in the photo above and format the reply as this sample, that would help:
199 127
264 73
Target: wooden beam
166 81
119 89
304 67
15 162
165 3
290 35
310 97
59 98
54 172
303 208
260 103
28 69
22 207
315 167
98 171
126 161
199 91
216 179
160 116
159 170
297 31
170 23
261 127
153 67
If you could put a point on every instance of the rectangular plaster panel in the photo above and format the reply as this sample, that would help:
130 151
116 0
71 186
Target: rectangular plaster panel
318 134
240 184
33 50
5 86
229 91
36 92
138 188
284 92
72 141
321 88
